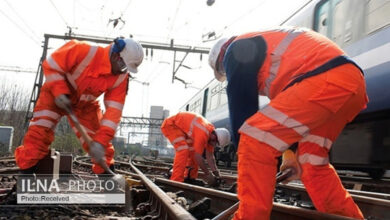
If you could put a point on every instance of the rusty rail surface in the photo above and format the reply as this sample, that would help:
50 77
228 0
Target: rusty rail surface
168 208
222 201
374 206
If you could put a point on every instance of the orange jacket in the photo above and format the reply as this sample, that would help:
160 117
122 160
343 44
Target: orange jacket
290 52
267 62
197 128
83 72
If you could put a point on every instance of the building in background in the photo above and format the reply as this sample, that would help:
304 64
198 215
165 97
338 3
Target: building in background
156 139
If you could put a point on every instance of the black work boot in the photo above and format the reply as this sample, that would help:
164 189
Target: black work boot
107 174
112 167
30 170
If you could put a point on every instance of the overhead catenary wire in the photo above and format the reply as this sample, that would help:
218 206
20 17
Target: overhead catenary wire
127 6
23 21
173 20
20 28
59 13
244 15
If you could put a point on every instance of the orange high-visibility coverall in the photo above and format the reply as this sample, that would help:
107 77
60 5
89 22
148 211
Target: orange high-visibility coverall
312 112
188 133
83 72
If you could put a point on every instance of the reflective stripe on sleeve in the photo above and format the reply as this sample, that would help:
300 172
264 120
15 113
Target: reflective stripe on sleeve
53 64
109 124
54 77
87 98
182 147
320 141
178 140
265 137
42 122
113 104
119 80
46 113
313 159
283 119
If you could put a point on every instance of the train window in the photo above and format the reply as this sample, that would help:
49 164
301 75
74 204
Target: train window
340 20
377 14
223 99
214 100
322 23
342 30
348 21
196 106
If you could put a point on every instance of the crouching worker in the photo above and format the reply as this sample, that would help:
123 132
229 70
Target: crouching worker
191 134
75 75
315 90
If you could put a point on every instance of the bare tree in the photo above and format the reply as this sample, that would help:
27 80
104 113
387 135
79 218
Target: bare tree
13 108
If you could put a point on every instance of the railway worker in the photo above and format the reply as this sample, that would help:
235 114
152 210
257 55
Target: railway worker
76 74
314 91
191 135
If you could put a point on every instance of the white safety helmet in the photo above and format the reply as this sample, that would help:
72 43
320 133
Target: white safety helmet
132 54
223 136
213 56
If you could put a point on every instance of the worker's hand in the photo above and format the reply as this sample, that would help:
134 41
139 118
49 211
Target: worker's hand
216 173
62 101
211 179
96 150
289 160
189 141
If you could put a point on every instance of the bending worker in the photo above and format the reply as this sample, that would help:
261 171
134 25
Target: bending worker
76 74
314 91
191 134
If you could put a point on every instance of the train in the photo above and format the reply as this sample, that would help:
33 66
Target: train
362 30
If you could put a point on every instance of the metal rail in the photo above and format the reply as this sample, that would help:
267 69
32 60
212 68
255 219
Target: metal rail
169 208
222 202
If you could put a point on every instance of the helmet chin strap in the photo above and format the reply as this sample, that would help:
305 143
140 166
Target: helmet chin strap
124 69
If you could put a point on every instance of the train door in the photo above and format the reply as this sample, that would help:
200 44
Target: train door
342 21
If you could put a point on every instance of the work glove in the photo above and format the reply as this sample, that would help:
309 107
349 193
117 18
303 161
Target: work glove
96 150
216 173
189 141
63 102
289 160
211 179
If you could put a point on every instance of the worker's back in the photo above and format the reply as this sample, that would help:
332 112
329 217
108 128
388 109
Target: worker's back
187 121
289 53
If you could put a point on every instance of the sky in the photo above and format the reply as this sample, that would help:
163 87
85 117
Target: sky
187 22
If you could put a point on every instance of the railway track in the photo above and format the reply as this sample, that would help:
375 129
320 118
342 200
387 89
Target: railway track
291 201
374 205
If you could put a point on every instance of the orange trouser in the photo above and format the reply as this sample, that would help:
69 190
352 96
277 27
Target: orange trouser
40 133
313 113
184 152
192 171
